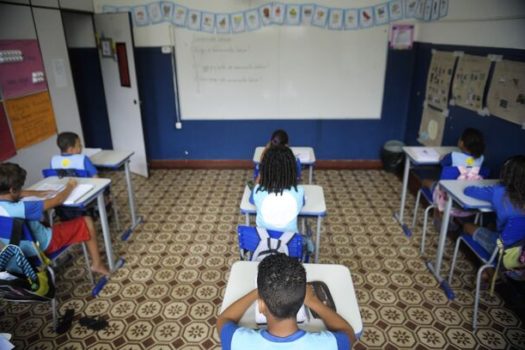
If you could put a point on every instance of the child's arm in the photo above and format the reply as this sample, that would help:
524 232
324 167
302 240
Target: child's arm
484 193
61 196
35 193
332 320
234 312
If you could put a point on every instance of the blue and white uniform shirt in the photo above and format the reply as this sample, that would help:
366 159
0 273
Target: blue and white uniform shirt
74 161
277 211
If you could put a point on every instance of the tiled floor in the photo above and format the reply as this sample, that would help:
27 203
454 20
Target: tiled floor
168 294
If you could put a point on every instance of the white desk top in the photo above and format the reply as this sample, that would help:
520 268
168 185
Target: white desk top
314 202
336 277
110 159
411 152
305 154
455 189
99 185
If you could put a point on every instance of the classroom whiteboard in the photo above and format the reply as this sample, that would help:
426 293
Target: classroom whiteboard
281 72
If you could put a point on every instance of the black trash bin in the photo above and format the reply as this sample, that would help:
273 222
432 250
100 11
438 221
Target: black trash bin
392 156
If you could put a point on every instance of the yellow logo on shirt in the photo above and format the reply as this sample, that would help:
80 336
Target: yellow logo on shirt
470 161
65 162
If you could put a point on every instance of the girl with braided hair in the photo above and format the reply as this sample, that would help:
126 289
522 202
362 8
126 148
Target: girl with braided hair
507 199
277 196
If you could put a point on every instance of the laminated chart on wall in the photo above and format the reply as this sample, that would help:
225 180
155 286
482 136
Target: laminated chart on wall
32 119
21 68
7 146
432 127
469 82
439 78
506 97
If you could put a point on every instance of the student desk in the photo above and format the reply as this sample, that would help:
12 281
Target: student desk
114 160
412 158
305 154
314 206
454 189
97 192
337 277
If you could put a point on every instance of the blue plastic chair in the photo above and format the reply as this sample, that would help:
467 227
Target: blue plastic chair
249 240
447 173
513 232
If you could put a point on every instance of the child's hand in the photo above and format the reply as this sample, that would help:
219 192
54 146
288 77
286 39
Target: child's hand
310 297
72 183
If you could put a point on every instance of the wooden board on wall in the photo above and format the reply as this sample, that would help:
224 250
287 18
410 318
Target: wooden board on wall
32 119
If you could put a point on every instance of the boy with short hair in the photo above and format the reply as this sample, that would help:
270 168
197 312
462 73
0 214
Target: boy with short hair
281 291
71 156
81 229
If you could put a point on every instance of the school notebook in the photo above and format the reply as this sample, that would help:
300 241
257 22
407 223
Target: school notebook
78 193
426 154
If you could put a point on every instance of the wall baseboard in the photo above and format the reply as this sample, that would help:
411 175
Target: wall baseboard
248 164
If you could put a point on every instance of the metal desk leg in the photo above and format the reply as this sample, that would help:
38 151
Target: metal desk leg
318 238
311 174
105 230
247 219
131 196
436 269
131 199
400 214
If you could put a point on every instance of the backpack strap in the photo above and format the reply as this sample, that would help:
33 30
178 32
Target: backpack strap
16 231
268 245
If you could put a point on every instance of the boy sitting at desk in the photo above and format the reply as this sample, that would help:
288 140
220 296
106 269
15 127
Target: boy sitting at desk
81 229
281 291
71 156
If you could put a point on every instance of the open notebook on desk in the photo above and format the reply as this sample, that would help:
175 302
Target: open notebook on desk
426 154
78 192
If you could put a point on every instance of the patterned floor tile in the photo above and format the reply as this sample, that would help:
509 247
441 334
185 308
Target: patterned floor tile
169 292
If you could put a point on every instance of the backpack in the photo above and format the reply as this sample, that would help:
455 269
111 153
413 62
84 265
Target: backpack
256 243
35 283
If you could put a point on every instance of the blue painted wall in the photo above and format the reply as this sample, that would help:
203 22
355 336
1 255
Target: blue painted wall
331 139
89 89
405 81
503 139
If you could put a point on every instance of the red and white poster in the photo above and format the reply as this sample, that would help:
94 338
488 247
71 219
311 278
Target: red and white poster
7 146
21 68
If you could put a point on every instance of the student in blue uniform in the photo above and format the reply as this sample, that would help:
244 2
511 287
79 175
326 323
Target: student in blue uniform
281 291
277 196
507 199
71 156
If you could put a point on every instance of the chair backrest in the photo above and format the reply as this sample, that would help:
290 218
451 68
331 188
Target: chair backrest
452 173
65 173
6 229
514 231
255 240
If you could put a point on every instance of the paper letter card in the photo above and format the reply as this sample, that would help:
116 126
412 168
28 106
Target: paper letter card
469 81
432 127
506 97
439 78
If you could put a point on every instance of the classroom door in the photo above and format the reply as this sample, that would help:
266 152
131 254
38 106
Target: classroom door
117 63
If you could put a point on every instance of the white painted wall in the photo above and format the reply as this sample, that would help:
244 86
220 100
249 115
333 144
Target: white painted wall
79 30
489 23
16 22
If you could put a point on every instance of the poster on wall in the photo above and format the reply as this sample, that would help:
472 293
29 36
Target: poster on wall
21 68
32 119
432 127
7 146
506 97
469 82
439 78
